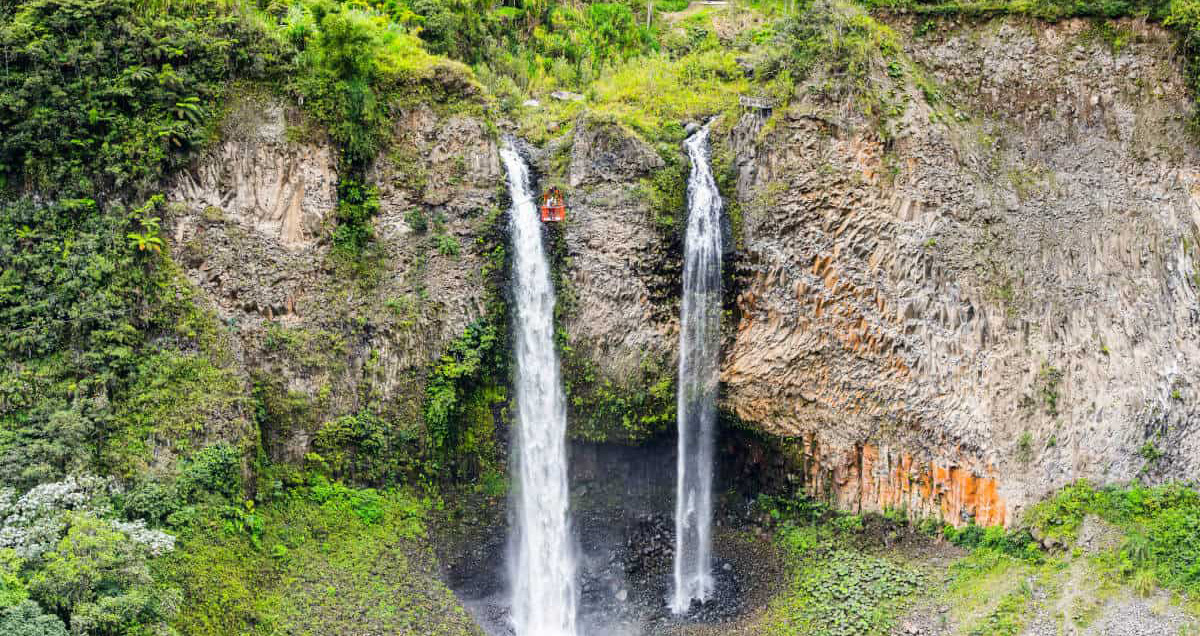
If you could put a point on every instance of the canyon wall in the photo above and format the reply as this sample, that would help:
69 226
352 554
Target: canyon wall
989 295
324 336
979 293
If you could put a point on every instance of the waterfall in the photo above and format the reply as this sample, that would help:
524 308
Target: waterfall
542 560
699 346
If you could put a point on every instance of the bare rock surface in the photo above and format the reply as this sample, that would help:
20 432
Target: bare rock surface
256 176
1006 289
604 152
251 228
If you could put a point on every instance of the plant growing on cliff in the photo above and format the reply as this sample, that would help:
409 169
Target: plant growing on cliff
446 245
1048 380
99 96
472 364
1160 524
148 239
1025 447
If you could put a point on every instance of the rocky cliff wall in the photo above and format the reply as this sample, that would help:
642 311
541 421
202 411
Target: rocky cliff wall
955 306
989 295
320 337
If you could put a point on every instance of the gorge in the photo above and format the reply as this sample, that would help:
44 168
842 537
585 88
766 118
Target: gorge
865 317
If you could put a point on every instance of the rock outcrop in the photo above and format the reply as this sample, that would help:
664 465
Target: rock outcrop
251 229
1002 294
981 295
604 153
282 189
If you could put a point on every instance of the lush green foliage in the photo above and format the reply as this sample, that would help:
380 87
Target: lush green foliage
212 474
27 619
365 448
95 367
835 589
317 557
840 35
534 47
98 96
1161 524
1018 543
630 410
98 579
355 65
460 394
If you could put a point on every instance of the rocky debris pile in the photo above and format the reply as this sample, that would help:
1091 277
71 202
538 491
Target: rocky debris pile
651 546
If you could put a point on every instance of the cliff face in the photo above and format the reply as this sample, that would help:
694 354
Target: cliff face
996 300
251 224
955 307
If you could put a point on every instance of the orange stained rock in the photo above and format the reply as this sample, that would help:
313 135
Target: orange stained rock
830 277
870 479
819 263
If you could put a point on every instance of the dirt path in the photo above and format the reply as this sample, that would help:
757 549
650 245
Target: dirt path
693 9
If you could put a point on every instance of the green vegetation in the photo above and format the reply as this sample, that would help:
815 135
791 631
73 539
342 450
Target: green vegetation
111 366
466 384
106 356
839 591
1161 525
102 97
991 592
315 557
603 410
835 584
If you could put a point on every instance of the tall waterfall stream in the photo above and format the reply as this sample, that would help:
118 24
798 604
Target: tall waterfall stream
699 342
543 570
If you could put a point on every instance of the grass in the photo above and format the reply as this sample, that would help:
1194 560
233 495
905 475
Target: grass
321 558
834 584
649 95
1160 524
653 94
990 592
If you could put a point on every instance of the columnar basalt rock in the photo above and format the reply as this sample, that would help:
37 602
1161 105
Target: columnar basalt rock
282 189
334 343
1002 296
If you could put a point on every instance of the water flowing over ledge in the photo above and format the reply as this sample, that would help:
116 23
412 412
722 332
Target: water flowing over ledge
542 563
699 348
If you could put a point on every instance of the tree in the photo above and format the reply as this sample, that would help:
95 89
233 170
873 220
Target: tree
27 619
97 578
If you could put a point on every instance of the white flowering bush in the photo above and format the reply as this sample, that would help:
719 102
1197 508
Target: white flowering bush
62 545
31 524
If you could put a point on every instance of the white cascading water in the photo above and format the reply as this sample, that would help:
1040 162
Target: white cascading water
542 563
699 346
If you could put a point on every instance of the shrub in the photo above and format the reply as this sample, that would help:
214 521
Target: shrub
96 577
214 470
358 205
1160 523
27 619
100 96
12 588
